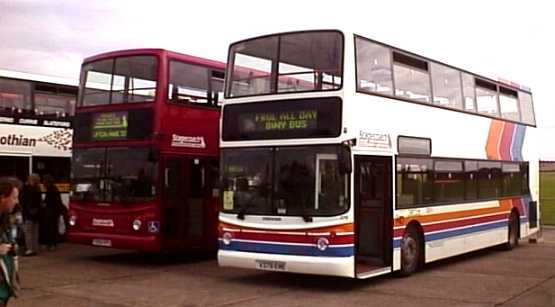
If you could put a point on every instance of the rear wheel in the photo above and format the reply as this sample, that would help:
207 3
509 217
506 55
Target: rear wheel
410 252
512 237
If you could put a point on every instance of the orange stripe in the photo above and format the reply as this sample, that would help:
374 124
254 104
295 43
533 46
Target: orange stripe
504 206
494 136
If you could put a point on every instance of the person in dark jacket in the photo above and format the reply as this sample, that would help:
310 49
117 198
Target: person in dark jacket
50 215
9 280
31 198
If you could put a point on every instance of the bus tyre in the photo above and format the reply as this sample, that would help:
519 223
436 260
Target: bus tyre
410 252
512 237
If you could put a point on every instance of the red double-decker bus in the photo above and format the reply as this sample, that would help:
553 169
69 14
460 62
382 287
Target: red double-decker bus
145 159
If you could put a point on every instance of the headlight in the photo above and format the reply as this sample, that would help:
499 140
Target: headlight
137 224
72 220
322 244
226 238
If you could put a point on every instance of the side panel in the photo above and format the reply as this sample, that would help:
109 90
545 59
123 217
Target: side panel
456 229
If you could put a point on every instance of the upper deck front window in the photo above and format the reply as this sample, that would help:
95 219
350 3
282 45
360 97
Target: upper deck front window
284 63
128 79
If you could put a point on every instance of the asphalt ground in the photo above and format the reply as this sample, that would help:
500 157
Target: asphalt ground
75 275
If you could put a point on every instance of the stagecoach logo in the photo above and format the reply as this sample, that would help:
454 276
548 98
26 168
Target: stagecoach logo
374 140
188 141
59 139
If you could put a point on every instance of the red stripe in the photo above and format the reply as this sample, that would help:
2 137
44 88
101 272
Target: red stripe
506 140
287 238
462 223
455 224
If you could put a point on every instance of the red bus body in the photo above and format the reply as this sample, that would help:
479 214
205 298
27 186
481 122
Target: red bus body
181 149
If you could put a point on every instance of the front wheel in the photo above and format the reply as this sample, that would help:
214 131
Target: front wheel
410 252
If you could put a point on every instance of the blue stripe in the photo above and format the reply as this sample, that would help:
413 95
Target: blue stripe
526 206
285 249
464 231
516 150
457 232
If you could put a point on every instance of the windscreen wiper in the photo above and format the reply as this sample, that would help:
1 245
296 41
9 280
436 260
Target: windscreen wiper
306 217
241 213
243 210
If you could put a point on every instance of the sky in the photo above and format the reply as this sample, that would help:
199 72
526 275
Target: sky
509 39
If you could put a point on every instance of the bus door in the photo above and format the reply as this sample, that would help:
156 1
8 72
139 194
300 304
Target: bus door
373 212
187 198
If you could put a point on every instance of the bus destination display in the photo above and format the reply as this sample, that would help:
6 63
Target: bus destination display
283 119
109 126
287 120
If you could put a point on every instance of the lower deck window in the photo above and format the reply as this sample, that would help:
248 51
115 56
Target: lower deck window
431 181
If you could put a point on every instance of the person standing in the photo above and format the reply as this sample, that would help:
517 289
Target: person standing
51 214
9 280
31 198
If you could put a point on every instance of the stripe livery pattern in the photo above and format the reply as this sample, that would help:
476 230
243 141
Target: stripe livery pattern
452 224
290 242
505 141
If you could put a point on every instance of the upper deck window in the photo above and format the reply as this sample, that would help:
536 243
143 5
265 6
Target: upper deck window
15 95
194 84
526 108
508 102
446 84
486 98
284 63
394 73
469 92
411 77
53 100
35 98
120 80
373 67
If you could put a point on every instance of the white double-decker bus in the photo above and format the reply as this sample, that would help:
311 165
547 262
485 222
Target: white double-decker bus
36 126
346 156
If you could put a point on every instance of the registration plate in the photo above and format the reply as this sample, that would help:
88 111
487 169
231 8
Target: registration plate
102 242
269 265
103 222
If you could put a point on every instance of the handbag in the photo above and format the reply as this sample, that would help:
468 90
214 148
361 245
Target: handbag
61 225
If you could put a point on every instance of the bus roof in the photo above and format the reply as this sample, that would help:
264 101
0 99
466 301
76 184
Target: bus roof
12 74
157 51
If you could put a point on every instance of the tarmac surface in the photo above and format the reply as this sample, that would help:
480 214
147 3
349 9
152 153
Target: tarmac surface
77 275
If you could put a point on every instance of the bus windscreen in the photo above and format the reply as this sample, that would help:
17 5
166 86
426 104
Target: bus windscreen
299 118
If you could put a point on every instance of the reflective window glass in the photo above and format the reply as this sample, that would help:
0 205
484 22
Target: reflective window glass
446 84
373 67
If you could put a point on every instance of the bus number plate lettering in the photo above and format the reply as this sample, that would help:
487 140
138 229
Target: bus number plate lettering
103 222
102 242
271 265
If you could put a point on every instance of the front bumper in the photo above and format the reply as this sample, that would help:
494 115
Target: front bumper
150 243
334 266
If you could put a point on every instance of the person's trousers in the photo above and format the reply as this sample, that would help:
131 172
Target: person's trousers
32 236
